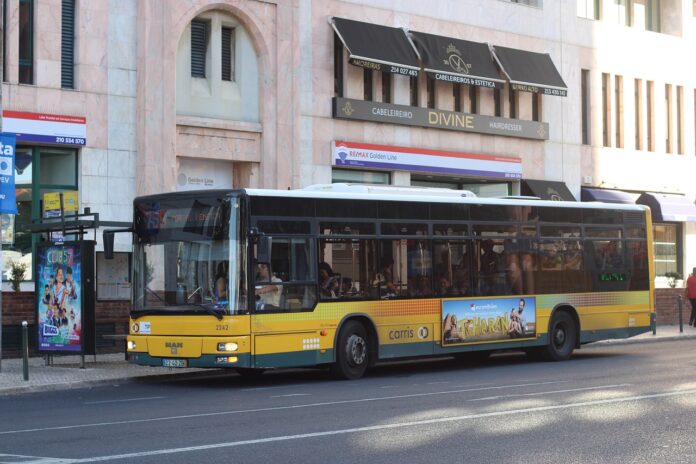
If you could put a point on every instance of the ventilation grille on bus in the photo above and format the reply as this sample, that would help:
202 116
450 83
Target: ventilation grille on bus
634 218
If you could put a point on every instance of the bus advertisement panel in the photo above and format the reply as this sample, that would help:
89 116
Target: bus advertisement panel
489 319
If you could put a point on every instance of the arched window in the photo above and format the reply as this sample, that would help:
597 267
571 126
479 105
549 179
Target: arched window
217 70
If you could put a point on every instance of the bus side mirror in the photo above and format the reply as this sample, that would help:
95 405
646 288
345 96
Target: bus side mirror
108 244
263 250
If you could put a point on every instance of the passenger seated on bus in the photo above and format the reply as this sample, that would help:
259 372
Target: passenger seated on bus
420 286
443 286
328 283
384 280
267 296
490 263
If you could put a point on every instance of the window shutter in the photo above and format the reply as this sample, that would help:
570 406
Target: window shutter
67 45
199 45
227 54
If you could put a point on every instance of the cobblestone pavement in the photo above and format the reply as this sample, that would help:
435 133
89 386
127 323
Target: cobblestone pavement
112 368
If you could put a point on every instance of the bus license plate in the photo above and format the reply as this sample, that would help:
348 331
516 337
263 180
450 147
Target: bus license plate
174 362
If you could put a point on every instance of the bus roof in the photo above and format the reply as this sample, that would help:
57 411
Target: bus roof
393 193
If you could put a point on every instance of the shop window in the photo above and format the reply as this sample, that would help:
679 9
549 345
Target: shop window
26 41
473 99
498 102
67 45
413 88
431 91
360 177
513 100
536 107
667 245
457 96
368 84
338 66
38 171
386 87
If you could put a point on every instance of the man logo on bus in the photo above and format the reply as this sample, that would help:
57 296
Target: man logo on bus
423 333
135 327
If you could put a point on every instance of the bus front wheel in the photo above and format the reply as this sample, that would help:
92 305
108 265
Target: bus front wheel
562 337
352 352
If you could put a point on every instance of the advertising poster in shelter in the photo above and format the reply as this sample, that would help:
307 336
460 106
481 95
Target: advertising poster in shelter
59 298
488 320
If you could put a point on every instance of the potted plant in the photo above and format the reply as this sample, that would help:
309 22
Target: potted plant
17 271
672 278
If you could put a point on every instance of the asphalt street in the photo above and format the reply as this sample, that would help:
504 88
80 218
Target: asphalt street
608 404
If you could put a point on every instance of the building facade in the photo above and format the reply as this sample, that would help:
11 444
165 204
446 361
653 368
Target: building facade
587 99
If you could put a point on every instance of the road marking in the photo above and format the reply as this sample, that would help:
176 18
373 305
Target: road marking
274 387
126 400
373 428
280 408
570 390
291 394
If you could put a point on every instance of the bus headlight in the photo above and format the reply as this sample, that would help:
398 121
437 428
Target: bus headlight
131 345
229 346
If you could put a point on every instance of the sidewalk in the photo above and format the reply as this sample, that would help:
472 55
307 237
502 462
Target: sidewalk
112 368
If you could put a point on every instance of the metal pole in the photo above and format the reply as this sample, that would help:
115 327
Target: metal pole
25 351
679 308
653 322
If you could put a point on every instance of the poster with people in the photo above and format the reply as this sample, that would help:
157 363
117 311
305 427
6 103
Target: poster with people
489 319
59 275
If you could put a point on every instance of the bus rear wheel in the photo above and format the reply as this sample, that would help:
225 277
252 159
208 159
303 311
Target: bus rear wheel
352 352
562 337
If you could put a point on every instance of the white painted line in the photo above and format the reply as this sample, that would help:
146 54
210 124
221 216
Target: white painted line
278 408
570 390
274 387
125 400
373 428
291 394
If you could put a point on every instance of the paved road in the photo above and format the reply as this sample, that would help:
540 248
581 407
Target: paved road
613 403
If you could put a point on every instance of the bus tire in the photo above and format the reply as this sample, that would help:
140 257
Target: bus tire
562 337
352 352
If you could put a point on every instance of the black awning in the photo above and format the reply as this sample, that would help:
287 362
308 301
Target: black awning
455 60
607 196
665 207
530 72
377 47
546 190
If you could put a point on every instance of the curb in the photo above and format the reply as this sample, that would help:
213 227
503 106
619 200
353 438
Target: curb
652 339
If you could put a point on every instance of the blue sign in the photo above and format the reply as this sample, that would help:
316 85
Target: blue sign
8 203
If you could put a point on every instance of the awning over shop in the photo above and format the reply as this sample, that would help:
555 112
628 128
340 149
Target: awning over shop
530 71
607 196
547 190
665 207
459 61
377 47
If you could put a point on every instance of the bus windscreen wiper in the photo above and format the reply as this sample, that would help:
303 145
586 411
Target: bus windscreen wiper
209 310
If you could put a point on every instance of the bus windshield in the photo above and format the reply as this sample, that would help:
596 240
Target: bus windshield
186 256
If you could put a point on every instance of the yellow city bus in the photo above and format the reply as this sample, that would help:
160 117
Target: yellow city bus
347 275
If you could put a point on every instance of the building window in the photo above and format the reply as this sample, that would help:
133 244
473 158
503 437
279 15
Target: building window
227 53
623 12
457 96
585 105
38 170
589 9
413 87
360 177
338 66
652 15
368 87
473 99
431 91
606 111
650 112
67 45
498 102
386 87
669 128
638 111
536 107
618 93
26 41
680 119
667 246
199 47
